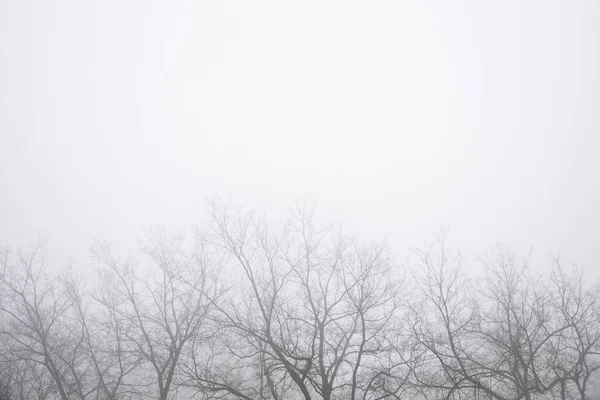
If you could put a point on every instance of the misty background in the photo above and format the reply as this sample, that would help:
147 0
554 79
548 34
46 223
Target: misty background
400 116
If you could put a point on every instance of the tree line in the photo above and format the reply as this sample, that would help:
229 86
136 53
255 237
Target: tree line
244 308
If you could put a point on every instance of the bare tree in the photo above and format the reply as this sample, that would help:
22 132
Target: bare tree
155 316
38 321
575 356
518 328
253 310
509 337
311 312
110 357
439 323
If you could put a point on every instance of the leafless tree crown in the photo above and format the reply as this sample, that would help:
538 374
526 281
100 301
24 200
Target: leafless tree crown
244 308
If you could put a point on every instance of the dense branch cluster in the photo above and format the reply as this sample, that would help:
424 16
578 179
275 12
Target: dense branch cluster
248 309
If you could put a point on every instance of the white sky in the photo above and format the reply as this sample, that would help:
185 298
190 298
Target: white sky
400 115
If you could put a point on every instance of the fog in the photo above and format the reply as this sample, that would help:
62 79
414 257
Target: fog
423 129
400 117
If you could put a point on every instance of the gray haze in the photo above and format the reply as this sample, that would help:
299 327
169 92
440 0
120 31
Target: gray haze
400 116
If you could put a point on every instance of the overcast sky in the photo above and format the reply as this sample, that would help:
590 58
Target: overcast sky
401 116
